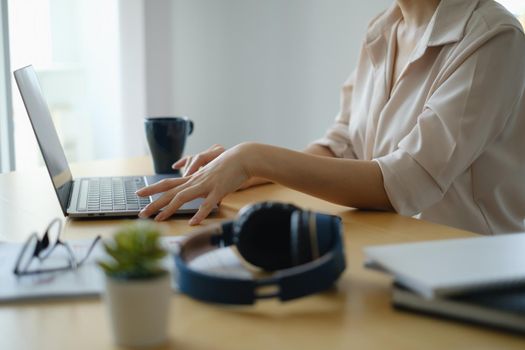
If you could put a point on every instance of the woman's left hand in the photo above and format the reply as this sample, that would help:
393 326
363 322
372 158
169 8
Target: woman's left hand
223 175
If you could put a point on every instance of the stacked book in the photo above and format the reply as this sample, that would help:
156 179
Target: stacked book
479 279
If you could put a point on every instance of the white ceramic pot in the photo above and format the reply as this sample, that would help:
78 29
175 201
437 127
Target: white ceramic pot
139 309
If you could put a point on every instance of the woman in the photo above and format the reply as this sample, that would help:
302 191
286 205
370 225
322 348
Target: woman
430 124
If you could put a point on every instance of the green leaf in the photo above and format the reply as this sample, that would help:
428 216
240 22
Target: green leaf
135 252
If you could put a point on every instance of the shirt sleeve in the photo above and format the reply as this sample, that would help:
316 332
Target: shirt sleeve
466 113
337 137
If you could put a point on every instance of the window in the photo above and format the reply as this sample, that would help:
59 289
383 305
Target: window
74 47
6 126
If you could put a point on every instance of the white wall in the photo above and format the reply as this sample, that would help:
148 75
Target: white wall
253 70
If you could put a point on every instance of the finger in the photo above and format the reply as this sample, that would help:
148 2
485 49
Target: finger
157 205
189 159
203 159
204 210
180 198
181 162
184 162
194 165
216 146
187 164
161 186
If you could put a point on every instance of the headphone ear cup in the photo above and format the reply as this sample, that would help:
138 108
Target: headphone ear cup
328 227
262 235
300 249
312 235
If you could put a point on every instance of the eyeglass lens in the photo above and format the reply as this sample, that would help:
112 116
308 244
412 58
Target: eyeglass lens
28 253
50 239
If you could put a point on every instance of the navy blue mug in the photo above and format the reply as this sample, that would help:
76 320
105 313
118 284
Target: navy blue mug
166 137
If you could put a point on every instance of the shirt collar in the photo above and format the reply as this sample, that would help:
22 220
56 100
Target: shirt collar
446 26
451 19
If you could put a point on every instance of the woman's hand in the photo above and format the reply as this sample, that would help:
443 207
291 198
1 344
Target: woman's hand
349 182
190 164
221 174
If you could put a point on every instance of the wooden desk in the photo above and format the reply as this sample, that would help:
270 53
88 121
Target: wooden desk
357 315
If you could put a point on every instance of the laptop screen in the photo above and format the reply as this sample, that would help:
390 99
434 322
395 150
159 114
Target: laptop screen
45 132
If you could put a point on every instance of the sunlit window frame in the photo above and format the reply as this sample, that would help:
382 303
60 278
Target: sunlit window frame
7 151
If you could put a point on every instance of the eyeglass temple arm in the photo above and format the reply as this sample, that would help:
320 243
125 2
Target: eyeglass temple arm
95 241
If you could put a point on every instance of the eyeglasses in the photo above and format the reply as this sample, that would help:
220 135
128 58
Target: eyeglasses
41 249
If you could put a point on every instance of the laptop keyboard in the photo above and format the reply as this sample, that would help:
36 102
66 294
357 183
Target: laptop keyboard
111 194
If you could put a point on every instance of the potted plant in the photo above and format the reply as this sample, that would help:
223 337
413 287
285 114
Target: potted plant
138 289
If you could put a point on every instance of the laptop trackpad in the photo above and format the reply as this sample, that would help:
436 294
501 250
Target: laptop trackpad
187 208
151 179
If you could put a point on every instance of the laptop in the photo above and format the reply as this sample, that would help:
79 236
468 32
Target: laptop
83 197
453 266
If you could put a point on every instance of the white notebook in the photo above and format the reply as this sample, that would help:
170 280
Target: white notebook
451 267
88 280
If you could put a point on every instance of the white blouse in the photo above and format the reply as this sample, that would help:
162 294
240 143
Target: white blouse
449 137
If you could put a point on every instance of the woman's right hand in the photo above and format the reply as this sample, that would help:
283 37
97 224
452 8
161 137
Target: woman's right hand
190 164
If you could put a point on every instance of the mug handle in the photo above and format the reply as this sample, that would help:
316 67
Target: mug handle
191 127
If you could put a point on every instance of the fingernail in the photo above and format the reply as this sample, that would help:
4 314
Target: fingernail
142 214
159 217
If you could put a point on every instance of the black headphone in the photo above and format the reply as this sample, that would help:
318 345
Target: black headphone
303 249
